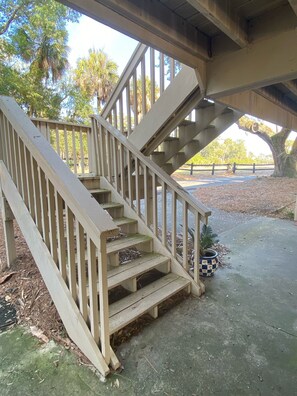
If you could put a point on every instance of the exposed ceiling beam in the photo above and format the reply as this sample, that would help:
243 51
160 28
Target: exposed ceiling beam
292 86
250 102
219 13
293 4
264 62
151 23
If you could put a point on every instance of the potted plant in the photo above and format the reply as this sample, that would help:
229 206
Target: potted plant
208 257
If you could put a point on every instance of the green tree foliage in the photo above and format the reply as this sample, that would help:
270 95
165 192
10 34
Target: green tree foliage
96 76
33 53
225 152
284 154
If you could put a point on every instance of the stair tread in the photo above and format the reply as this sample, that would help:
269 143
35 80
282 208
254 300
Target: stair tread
124 220
109 205
98 190
134 268
171 139
131 307
186 123
124 243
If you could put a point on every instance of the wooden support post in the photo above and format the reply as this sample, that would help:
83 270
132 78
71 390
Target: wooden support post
8 217
254 167
295 214
234 168
213 169
191 171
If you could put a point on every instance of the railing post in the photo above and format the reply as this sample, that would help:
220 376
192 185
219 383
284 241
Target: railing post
254 167
191 170
234 167
92 144
8 217
213 169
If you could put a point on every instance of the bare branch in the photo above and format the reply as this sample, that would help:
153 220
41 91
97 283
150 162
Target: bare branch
13 17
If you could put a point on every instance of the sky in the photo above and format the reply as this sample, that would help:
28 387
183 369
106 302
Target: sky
89 34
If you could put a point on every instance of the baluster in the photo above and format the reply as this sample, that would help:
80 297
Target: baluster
174 225
128 103
185 236
61 235
164 214
137 186
74 150
143 87
82 155
58 140
71 252
81 269
66 145
122 158
52 220
129 177
30 182
22 171
93 293
44 208
36 189
161 72
135 110
152 76
121 114
197 247
155 204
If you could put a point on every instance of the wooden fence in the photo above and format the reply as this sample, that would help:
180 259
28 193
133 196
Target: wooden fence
212 168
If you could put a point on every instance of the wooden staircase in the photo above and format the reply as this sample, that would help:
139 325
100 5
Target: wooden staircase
125 270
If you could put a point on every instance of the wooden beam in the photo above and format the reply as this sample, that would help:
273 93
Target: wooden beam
292 86
262 63
219 13
293 4
250 102
151 23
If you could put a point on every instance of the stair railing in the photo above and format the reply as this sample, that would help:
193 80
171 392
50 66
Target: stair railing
72 142
73 226
145 77
155 197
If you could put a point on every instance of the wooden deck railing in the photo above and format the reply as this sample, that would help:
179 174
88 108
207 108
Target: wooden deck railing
73 226
156 198
234 167
72 142
146 76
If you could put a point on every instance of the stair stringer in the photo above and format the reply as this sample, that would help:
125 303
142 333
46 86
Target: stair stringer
70 315
176 267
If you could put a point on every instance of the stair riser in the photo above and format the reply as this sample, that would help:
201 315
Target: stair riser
91 183
129 228
113 258
115 212
102 197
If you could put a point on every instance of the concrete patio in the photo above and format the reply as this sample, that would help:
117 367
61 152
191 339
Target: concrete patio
239 339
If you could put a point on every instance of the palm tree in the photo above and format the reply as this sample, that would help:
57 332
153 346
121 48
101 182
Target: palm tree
96 75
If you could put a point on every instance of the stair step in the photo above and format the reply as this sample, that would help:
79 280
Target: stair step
111 205
98 191
171 139
131 307
135 268
124 243
186 123
121 221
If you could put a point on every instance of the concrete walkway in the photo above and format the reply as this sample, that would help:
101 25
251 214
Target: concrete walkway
239 339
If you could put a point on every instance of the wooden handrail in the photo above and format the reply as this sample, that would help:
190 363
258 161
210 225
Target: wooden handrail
89 213
61 123
172 184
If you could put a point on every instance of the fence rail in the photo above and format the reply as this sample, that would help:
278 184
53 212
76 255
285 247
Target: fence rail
212 168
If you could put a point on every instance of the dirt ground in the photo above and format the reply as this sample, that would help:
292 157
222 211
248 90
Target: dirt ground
265 196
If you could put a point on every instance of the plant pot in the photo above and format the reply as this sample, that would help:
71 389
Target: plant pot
208 263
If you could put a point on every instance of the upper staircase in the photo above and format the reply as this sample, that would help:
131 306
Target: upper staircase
172 120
